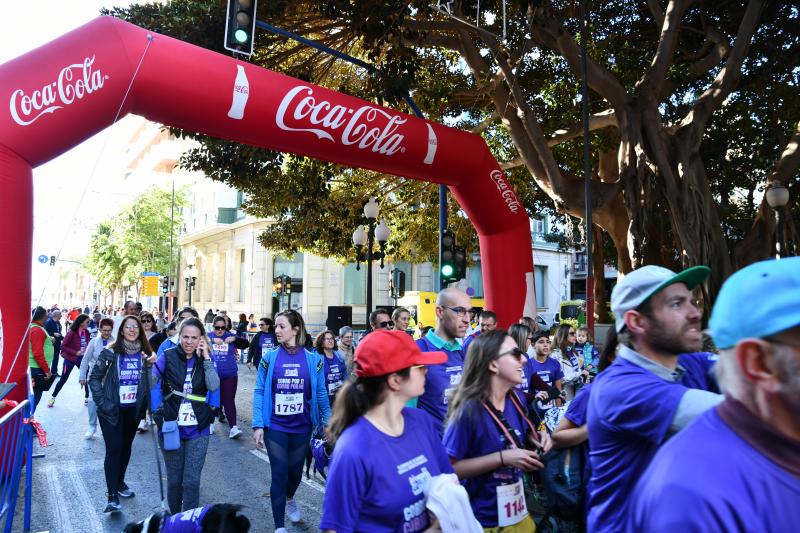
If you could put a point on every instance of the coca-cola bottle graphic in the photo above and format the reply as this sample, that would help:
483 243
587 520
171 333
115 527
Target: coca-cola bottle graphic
241 90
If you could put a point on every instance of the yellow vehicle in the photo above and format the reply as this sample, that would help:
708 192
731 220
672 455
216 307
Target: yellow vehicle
422 305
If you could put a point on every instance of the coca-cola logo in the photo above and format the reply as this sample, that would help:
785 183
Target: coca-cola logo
74 82
505 191
367 127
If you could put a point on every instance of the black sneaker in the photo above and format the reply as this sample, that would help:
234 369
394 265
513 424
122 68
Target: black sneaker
125 491
221 417
113 504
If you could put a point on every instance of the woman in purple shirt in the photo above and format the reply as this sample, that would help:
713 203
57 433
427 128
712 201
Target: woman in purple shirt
224 355
489 438
383 491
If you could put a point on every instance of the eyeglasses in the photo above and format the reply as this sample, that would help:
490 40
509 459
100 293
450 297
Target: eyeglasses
105 330
385 324
263 325
131 327
418 366
516 352
571 333
460 312
347 338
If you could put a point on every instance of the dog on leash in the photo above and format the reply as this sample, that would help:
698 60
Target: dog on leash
210 519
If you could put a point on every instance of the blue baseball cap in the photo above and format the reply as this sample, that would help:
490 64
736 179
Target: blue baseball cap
759 300
637 287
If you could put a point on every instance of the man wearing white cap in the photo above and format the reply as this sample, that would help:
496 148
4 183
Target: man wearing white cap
737 468
639 401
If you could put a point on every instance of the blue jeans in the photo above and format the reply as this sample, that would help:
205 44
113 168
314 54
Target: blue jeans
287 453
92 413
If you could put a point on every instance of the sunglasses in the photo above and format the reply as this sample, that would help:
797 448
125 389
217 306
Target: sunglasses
572 333
219 328
385 324
516 352
146 321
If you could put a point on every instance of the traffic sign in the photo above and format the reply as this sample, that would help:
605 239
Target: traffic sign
150 283
42 259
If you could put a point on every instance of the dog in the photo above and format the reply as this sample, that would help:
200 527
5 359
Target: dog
211 519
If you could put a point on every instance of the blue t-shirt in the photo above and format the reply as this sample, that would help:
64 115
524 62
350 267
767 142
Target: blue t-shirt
576 413
130 371
475 434
708 478
291 393
550 372
629 415
588 354
699 367
335 375
440 382
186 522
383 491
224 356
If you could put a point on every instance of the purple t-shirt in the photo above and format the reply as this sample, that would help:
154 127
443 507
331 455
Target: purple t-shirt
383 491
291 393
576 413
707 478
699 370
475 434
130 370
186 522
550 372
440 381
335 375
224 356
629 415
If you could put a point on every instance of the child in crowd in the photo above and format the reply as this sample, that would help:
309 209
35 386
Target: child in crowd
584 348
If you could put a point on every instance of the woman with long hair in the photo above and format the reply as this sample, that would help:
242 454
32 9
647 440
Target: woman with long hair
72 349
565 340
120 387
289 401
401 318
184 375
532 385
261 343
224 355
335 369
382 490
148 323
489 438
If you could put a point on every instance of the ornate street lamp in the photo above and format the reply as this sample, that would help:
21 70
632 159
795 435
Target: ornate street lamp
366 237
777 198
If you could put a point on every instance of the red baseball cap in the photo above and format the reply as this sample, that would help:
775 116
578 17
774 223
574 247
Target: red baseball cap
383 352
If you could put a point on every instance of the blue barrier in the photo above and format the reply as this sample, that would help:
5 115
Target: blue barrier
16 443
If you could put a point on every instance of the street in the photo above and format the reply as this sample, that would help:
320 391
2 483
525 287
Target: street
69 491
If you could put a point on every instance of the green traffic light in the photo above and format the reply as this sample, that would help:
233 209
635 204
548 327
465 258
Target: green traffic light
447 270
240 36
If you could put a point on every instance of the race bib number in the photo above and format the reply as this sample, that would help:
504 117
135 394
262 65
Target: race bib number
289 404
127 394
333 387
511 507
186 415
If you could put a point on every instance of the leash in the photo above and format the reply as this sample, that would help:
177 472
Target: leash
164 504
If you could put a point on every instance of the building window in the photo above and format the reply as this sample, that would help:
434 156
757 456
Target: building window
475 279
355 285
538 227
241 275
539 276
294 269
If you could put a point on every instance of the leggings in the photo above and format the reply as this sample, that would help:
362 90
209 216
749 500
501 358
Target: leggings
287 453
68 366
184 467
227 397
119 439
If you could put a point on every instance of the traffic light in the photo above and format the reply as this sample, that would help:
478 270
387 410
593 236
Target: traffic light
52 260
460 263
240 26
398 283
165 284
447 267
277 285
287 284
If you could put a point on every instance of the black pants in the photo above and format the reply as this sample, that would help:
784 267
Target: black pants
118 439
68 366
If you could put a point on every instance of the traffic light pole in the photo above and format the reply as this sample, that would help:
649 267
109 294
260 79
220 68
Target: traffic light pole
442 227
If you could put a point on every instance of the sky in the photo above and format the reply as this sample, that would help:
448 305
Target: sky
69 196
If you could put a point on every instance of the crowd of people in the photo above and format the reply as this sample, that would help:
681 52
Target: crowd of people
471 427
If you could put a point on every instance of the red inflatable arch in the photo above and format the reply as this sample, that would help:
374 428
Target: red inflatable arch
62 93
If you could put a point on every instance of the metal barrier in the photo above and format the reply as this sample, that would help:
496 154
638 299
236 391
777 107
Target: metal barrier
16 443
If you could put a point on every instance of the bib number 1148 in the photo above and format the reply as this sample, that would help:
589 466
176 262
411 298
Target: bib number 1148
511 506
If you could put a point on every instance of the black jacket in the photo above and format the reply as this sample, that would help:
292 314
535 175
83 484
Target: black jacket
104 384
204 379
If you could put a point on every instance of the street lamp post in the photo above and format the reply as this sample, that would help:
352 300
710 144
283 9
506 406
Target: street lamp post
362 237
190 272
777 198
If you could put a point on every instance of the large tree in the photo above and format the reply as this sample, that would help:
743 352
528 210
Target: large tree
694 111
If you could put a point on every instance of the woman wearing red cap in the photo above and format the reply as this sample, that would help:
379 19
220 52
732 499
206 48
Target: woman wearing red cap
489 437
384 490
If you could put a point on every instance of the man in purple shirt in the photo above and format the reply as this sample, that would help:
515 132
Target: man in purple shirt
639 401
737 467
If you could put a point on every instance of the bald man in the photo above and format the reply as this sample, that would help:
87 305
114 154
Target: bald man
452 321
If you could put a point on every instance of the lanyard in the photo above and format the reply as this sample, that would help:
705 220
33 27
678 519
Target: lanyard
505 426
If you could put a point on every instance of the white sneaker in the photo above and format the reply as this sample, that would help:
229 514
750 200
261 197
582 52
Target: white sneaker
142 426
235 432
89 433
280 530
293 510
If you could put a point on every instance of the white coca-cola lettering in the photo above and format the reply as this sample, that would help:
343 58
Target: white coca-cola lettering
74 81
367 127
505 191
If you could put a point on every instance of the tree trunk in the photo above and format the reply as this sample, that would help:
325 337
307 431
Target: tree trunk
598 264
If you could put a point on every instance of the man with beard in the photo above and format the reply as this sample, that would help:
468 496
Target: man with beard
639 401
738 466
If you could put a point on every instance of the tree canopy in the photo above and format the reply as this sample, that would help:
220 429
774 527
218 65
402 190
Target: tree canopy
694 111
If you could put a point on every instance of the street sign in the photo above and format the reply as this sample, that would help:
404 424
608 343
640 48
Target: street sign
42 259
150 283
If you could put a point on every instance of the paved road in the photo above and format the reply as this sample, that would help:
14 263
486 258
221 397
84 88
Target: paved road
69 486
